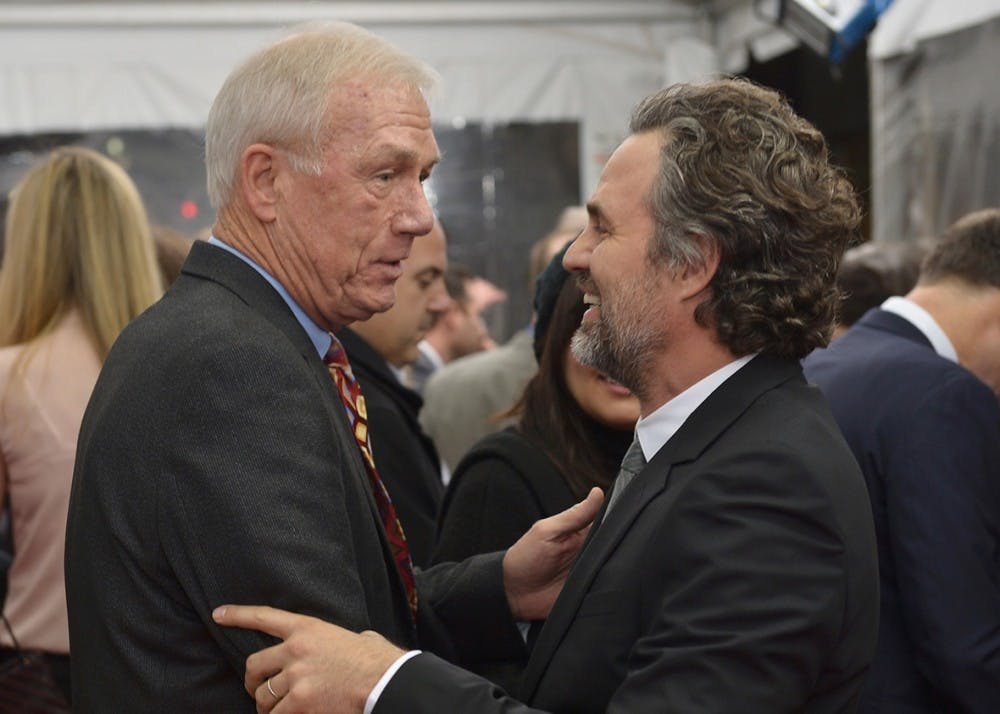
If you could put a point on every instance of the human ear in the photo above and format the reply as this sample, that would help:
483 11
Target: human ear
696 278
258 172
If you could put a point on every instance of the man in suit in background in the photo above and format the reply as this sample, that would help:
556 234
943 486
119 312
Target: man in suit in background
736 570
379 348
460 330
217 461
914 386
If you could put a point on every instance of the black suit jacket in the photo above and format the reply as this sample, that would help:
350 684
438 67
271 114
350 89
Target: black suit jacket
736 574
405 457
215 465
927 435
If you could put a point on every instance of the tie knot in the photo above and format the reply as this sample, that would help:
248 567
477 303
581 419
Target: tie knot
336 356
634 460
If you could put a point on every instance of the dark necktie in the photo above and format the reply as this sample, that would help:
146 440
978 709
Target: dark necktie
632 464
354 403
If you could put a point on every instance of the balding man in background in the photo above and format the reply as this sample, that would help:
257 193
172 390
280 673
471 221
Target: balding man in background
914 386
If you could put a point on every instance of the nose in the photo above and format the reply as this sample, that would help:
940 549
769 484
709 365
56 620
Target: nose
577 256
417 218
439 301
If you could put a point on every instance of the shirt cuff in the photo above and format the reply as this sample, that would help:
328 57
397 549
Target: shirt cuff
384 682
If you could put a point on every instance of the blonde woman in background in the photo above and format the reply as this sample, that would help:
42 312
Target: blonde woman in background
79 264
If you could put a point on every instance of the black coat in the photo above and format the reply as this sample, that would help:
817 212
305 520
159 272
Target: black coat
404 456
736 574
501 487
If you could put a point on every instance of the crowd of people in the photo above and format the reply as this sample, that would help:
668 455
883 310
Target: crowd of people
735 463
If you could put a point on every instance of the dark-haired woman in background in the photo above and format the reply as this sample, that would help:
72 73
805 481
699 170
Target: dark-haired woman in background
574 426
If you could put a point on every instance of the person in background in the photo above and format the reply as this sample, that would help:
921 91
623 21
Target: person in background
734 566
914 386
465 400
870 274
482 296
459 330
574 425
79 266
379 349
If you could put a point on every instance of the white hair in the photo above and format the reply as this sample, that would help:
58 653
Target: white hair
279 96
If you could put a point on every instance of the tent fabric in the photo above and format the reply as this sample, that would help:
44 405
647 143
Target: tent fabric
935 132
907 23
102 71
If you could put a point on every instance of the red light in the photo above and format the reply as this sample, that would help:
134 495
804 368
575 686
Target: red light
189 209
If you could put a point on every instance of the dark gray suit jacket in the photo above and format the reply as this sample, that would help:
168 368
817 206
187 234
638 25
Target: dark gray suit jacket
736 574
215 465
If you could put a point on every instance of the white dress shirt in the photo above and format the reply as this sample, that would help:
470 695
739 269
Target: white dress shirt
655 430
922 320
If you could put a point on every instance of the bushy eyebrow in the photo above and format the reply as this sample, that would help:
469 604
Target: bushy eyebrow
392 154
594 211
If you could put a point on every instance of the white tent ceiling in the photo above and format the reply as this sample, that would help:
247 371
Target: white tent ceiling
87 65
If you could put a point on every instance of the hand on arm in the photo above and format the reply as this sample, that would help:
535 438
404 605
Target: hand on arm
318 666
536 566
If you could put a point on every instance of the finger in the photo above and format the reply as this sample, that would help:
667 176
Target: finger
576 517
267 699
263 664
273 621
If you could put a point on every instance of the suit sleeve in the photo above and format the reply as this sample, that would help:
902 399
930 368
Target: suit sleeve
253 458
944 527
429 685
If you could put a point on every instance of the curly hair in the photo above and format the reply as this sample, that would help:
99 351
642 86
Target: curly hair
741 169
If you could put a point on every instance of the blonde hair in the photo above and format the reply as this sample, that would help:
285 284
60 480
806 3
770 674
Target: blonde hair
77 235
280 96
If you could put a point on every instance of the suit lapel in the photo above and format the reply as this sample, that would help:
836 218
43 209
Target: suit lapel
212 263
219 266
697 433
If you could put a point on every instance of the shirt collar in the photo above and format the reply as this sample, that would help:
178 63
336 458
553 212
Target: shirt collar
428 351
923 321
320 338
655 430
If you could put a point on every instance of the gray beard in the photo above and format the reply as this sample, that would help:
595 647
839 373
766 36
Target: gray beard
624 356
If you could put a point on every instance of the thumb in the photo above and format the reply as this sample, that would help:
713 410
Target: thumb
580 515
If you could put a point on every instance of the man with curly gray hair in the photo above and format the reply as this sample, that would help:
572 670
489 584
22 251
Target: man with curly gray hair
733 568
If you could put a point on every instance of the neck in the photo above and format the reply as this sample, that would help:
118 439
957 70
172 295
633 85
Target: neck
679 369
964 312
238 228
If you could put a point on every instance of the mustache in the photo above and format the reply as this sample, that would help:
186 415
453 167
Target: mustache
586 283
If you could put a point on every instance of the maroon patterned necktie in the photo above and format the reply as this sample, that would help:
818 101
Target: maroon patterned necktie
354 403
